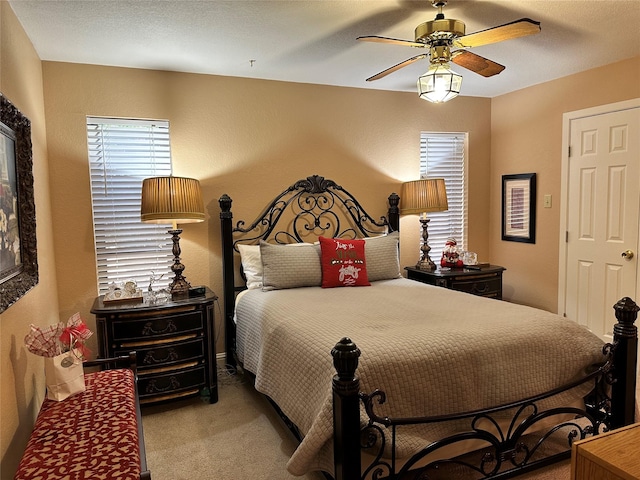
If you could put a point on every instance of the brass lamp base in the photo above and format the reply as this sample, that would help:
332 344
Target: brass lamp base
425 262
179 287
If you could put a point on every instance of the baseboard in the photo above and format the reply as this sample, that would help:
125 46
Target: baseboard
221 358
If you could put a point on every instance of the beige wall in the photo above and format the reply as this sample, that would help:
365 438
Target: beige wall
249 139
21 373
526 136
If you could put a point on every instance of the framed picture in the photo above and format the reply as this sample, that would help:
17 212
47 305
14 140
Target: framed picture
18 252
519 208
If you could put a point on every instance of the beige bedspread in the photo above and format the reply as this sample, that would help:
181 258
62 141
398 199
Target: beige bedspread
432 350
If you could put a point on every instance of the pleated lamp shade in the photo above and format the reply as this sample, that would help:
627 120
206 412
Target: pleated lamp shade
423 196
171 199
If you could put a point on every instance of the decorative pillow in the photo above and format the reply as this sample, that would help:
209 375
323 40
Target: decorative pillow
286 267
381 254
251 265
343 263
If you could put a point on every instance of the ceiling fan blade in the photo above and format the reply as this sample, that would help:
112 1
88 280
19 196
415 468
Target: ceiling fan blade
400 65
519 28
476 63
395 41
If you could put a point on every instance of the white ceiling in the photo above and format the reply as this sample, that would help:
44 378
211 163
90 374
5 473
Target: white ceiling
314 41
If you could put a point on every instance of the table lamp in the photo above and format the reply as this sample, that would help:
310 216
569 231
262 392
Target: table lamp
173 200
422 197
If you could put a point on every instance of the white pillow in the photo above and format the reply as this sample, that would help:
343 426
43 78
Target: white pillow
251 264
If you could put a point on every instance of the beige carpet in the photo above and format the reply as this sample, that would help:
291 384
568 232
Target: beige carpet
239 437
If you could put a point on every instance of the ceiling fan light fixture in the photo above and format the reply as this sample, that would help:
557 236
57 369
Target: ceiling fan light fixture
440 84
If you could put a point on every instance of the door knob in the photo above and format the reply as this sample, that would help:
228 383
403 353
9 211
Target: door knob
627 254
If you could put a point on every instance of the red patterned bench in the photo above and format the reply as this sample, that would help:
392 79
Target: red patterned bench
96 434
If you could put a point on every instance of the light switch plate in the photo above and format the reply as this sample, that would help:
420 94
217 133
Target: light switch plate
547 201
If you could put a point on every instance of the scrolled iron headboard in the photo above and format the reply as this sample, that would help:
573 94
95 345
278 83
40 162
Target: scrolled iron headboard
309 208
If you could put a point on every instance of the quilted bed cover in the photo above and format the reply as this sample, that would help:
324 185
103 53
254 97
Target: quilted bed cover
433 351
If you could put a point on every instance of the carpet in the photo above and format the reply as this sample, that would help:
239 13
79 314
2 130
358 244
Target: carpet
239 437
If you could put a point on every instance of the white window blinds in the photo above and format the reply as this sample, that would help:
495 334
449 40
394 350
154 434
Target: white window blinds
442 155
122 152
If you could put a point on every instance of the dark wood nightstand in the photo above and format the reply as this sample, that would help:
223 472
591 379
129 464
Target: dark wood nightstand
174 343
485 281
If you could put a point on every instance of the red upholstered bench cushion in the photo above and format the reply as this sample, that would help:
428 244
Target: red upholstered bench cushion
91 435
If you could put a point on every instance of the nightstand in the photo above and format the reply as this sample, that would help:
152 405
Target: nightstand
485 281
174 343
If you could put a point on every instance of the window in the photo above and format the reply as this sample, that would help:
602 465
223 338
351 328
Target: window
442 155
122 152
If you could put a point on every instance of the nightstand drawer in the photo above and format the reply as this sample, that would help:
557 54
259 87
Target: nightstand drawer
171 384
490 287
168 354
133 333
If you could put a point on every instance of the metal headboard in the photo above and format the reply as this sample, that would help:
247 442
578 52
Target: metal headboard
311 207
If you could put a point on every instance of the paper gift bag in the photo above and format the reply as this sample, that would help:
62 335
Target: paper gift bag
64 375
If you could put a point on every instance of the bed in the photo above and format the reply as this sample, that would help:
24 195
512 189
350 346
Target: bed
444 379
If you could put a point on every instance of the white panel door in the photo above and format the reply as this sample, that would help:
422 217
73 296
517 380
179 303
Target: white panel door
602 216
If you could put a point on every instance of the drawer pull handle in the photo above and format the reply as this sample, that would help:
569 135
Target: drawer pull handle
152 387
481 287
150 357
149 330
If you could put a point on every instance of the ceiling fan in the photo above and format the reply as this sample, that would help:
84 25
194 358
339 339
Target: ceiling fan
446 40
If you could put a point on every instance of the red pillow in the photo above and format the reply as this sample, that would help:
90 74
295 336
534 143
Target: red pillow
343 263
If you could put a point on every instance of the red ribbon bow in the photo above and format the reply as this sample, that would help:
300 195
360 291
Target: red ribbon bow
74 337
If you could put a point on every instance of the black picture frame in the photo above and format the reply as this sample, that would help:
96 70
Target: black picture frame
519 208
18 244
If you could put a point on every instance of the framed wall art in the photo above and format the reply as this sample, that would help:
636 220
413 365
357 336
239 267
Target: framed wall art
519 208
18 251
